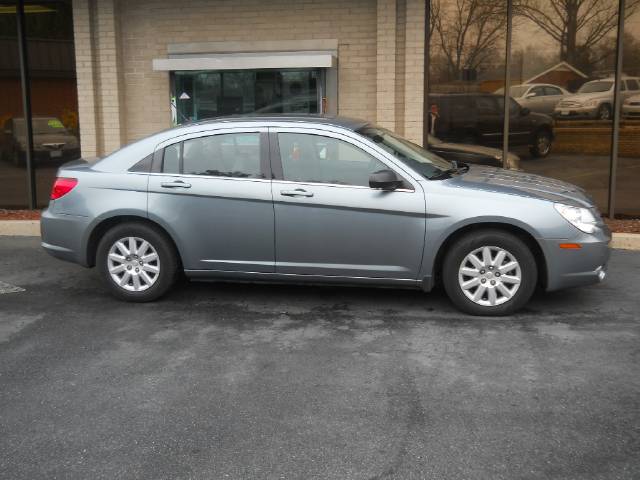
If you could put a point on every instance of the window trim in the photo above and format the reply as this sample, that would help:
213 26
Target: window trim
276 159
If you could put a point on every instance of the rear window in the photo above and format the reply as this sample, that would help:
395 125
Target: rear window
234 155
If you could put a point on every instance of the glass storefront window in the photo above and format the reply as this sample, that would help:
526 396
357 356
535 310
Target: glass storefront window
207 94
13 178
627 200
562 75
466 66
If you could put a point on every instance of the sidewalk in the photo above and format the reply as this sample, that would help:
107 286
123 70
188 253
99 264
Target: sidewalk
31 228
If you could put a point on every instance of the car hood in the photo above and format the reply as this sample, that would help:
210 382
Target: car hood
584 97
522 184
466 148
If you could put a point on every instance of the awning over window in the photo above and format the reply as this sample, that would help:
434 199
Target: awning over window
246 61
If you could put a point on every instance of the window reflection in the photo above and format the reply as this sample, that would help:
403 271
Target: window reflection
200 95
563 60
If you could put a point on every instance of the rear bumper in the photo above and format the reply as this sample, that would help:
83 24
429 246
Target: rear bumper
63 236
579 267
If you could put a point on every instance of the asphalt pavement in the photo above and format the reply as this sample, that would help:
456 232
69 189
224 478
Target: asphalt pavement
240 381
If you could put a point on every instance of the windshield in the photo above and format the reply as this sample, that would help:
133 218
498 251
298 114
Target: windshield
593 87
414 156
40 126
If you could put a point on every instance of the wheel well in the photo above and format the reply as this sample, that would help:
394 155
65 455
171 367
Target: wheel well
522 234
98 232
544 128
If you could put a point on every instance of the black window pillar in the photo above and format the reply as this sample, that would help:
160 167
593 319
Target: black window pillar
26 102
613 166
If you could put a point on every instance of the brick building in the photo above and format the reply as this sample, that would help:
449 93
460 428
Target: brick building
368 56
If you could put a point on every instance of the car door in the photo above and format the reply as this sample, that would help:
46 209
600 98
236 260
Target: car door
552 96
329 222
212 191
536 99
490 119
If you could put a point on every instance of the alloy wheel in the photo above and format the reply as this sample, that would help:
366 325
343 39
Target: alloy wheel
544 144
134 264
489 276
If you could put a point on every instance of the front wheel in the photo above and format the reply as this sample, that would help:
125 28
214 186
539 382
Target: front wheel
137 262
541 144
604 112
490 272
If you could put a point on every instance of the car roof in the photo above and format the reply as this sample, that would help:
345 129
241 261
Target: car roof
332 120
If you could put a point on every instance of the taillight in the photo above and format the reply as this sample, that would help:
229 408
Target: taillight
62 186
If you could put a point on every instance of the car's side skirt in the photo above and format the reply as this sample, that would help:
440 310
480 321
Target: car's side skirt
260 277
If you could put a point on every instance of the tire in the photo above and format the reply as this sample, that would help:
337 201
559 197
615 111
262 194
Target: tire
459 270
541 143
604 112
149 277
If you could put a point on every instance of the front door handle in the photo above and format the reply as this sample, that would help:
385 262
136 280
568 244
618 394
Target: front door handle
175 184
298 192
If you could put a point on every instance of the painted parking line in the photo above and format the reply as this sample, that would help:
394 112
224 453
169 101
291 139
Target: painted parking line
8 288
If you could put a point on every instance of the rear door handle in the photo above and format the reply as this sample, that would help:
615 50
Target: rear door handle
175 184
298 192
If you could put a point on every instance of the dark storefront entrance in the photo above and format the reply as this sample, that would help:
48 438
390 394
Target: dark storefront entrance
206 94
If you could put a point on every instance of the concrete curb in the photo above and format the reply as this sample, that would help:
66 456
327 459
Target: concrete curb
14 228
31 228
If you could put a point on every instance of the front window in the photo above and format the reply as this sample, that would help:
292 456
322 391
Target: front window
595 87
318 159
414 156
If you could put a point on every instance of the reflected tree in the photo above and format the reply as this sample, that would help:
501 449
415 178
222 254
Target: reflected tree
466 33
578 26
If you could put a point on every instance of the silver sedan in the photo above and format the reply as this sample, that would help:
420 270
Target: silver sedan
320 200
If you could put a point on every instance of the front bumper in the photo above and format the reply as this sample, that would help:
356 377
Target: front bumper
575 112
631 111
577 267
63 236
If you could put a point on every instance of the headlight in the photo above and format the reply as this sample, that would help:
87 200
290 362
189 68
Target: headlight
579 217
591 103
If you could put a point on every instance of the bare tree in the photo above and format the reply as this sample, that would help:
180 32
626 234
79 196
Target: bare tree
467 31
577 25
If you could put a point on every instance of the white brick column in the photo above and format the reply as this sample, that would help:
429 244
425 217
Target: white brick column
85 74
414 70
99 76
386 64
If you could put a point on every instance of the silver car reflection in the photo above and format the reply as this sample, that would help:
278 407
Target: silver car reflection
320 200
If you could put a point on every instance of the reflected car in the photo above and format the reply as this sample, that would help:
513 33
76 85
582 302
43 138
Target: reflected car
476 154
594 100
537 97
320 200
478 119
52 142
631 107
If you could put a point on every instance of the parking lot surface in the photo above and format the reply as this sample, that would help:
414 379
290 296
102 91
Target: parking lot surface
248 381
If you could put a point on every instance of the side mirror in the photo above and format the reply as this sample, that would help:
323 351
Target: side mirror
384 180
524 111
531 95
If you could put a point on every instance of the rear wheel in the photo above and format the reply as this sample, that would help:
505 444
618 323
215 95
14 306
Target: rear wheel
490 272
541 144
137 262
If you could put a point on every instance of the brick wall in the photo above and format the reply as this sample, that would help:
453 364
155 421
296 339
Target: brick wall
147 27
121 98
594 138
